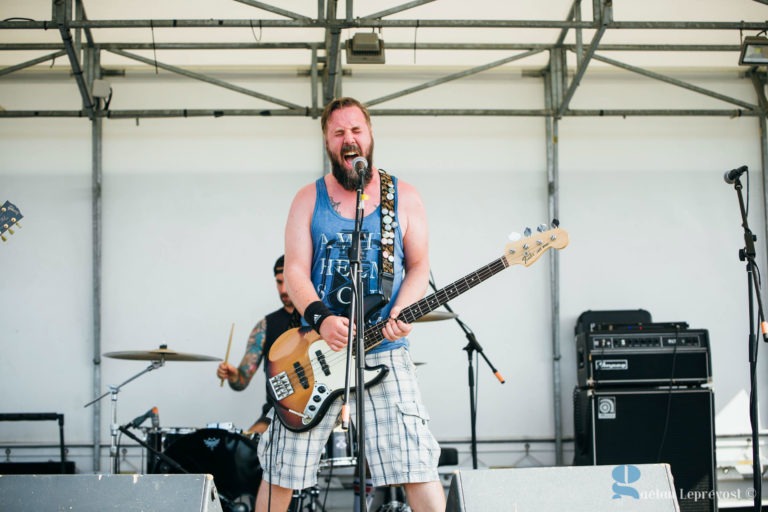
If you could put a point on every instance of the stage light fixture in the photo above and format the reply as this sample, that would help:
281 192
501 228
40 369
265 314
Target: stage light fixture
754 51
365 48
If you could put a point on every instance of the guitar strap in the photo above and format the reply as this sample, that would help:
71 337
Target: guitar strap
388 225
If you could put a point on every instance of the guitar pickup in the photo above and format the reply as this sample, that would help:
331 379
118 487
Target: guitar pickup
281 386
301 374
323 363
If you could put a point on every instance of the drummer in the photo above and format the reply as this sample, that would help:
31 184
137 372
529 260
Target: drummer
261 338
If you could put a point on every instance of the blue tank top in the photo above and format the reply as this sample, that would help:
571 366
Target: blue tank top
331 238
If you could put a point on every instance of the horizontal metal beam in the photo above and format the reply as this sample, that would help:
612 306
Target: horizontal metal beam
383 23
389 46
307 112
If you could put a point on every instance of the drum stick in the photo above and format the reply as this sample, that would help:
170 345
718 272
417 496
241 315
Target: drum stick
229 345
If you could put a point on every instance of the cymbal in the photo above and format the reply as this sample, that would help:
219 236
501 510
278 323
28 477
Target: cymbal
436 315
162 353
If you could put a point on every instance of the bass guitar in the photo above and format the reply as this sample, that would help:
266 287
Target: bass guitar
305 375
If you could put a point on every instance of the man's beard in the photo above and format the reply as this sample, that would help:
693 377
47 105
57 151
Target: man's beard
350 180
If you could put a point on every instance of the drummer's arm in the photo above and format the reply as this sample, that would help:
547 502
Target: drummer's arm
251 358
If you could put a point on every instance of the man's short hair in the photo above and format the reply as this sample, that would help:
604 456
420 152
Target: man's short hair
279 264
339 103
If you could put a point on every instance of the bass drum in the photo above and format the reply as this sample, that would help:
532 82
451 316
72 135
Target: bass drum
230 457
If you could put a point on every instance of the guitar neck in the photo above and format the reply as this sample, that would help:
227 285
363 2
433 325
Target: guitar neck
418 309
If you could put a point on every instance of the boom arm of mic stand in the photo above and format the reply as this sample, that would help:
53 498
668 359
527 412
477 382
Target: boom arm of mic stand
173 463
473 343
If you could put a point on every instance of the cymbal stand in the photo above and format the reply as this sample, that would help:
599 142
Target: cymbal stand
114 427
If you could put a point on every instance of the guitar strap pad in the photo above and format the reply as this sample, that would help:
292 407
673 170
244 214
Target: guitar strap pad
388 225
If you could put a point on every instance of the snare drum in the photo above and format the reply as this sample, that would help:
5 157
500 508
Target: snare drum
230 457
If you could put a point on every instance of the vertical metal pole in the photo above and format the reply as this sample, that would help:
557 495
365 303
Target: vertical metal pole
92 70
552 93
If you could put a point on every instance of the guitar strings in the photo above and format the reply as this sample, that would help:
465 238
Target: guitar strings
372 335
424 306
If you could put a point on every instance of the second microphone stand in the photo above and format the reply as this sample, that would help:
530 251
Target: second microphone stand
754 298
472 347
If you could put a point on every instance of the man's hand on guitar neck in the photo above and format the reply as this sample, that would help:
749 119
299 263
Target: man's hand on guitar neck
396 329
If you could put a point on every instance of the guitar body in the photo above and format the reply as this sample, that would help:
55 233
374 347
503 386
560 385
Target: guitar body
304 376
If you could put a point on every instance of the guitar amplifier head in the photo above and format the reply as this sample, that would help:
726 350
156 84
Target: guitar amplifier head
641 358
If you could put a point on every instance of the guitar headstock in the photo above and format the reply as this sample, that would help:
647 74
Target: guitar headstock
528 249
10 216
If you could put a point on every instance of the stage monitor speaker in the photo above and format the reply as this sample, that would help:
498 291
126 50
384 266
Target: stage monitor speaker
96 493
648 426
638 488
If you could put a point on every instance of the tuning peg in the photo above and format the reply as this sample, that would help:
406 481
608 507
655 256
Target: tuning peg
514 236
527 232
541 228
555 223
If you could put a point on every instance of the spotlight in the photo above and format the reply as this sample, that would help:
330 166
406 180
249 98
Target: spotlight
754 51
365 48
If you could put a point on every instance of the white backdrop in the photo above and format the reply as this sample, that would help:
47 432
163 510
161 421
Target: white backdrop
193 213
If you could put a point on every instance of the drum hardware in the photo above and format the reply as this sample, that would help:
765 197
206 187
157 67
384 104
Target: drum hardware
227 455
394 500
159 439
125 430
339 450
299 497
158 358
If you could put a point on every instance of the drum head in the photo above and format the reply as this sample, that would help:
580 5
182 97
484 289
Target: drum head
229 457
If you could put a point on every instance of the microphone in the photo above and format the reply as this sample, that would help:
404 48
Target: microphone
360 164
138 420
732 175
155 418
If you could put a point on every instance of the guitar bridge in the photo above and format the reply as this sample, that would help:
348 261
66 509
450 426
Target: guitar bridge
281 386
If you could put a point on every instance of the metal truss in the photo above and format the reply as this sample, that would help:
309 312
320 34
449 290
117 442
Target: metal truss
325 73
325 69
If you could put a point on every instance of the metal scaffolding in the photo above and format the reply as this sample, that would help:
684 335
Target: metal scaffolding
325 71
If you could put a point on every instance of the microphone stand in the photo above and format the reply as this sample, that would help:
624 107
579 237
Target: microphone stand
753 287
471 347
355 342
113 391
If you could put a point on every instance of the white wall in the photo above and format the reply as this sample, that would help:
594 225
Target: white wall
193 212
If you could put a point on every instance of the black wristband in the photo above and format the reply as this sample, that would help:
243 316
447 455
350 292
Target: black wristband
315 313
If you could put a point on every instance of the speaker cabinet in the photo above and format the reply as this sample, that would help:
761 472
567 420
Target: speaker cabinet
649 426
640 488
96 493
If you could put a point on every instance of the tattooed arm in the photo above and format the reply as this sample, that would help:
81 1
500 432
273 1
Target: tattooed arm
240 377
